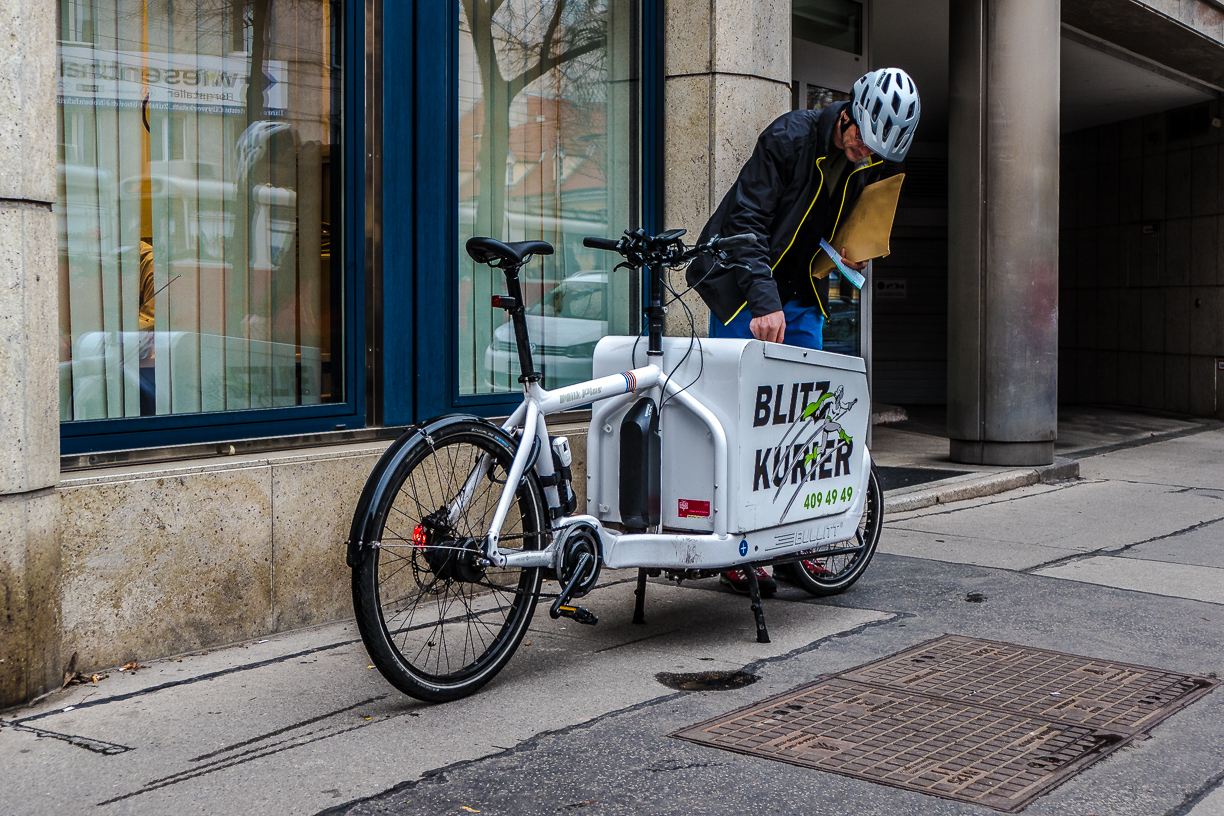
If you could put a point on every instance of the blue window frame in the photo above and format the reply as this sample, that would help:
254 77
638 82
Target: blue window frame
142 430
420 370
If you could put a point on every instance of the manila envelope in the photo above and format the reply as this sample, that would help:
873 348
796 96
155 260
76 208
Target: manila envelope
864 233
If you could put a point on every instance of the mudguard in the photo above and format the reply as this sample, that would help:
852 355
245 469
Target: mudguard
366 519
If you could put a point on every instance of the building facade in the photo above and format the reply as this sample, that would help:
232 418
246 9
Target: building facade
232 253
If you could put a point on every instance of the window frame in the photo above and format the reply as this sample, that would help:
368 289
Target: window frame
122 433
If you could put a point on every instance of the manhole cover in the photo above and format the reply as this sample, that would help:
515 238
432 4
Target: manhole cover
1118 697
893 723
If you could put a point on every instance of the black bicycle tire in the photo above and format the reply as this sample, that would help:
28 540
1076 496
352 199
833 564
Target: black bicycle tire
398 670
873 511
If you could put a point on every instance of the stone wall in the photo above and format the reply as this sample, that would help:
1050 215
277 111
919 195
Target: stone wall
165 559
29 418
1142 263
728 76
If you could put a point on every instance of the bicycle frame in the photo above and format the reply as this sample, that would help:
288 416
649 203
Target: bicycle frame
686 550
713 550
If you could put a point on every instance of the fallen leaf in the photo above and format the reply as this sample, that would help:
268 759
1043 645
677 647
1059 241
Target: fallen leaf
468 809
528 642
70 672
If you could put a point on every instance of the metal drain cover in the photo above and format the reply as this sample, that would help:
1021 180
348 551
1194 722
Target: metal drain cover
915 721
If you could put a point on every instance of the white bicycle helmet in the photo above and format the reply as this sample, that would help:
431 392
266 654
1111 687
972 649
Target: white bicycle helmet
886 109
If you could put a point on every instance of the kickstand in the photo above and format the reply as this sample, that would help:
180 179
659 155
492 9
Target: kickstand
639 604
754 592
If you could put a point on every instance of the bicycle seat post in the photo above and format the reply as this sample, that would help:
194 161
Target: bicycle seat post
518 317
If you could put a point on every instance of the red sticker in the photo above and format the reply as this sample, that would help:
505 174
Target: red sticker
692 508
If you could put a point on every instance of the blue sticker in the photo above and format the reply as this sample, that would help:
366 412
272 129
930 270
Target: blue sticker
744 547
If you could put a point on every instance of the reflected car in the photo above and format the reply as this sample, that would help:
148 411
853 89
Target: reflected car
564 327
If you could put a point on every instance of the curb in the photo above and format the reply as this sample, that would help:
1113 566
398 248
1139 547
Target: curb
976 485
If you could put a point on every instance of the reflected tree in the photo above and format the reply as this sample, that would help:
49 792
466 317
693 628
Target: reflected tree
517 42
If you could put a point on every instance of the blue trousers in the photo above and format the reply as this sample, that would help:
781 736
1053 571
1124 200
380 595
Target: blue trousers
804 326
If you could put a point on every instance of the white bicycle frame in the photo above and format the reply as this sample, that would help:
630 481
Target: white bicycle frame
717 549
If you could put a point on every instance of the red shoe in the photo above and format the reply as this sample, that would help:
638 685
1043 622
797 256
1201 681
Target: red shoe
815 568
737 579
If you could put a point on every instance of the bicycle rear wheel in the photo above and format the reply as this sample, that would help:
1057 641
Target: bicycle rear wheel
437 622
832 569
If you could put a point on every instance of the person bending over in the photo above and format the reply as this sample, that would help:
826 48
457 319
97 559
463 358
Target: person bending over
806 172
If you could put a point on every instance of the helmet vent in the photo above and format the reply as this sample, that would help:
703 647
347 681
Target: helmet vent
896 103
888 126
875 111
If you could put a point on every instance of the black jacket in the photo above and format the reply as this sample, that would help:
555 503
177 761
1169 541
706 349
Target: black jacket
772 197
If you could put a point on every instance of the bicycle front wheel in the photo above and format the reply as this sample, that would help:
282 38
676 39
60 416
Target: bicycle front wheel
438 622
831 570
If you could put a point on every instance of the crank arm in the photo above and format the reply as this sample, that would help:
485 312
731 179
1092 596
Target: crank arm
561 605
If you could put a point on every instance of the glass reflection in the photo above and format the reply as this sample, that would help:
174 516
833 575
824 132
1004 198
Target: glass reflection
196 189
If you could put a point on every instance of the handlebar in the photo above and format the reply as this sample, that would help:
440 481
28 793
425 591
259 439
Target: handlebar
732 241
659 252
639 249
600 243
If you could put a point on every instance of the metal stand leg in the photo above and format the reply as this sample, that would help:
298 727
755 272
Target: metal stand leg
639 604
754 592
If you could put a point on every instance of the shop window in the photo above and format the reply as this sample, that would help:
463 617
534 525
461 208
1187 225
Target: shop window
833 23
549 146
199 181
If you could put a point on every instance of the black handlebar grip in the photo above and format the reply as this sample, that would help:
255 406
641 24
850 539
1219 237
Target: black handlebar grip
731 241
600 243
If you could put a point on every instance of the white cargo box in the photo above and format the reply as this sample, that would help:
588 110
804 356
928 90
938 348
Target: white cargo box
796 424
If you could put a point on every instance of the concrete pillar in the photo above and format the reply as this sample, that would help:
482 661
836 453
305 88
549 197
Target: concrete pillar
728 72
29 403
1003 231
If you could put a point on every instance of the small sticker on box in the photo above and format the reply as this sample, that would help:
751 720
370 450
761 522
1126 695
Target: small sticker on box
692 508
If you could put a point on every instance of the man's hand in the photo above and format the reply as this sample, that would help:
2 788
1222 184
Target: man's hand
856 266
771 327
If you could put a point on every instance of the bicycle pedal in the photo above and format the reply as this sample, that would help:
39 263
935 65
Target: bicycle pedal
579 614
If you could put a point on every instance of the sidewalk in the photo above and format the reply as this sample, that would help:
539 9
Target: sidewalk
912 455
1123 564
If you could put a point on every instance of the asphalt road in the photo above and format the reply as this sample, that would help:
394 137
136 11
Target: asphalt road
1126 564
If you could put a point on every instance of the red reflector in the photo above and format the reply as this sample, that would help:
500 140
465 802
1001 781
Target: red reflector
418 535
497 301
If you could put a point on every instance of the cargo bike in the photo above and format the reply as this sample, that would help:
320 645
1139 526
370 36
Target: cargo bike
702 455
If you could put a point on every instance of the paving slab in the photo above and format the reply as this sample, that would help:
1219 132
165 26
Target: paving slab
1202 546
1196 460
968 549
1155 577
269 723
1082 516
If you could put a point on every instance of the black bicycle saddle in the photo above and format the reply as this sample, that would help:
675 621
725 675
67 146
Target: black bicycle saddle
487 250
